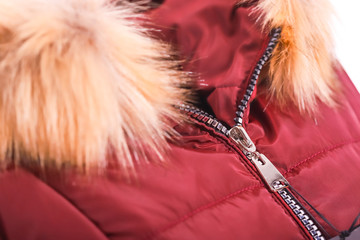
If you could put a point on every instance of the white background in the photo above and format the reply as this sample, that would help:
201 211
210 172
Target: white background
347 36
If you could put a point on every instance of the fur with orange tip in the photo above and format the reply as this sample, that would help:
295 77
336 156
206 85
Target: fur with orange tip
81 79
300 71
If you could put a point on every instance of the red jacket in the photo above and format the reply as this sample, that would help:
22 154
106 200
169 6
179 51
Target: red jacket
208 188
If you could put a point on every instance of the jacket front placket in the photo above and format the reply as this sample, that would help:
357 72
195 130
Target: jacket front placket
238 139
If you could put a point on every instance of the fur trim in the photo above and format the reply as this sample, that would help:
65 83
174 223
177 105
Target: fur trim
81 80
301 69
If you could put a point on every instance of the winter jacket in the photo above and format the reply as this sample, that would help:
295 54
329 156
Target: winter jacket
210 185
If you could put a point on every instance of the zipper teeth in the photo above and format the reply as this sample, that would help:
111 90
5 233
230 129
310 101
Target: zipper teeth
211 121
201 116
205 118
301 214
275 35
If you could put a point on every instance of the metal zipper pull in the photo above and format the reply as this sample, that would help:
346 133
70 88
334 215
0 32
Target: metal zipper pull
240 136
274 179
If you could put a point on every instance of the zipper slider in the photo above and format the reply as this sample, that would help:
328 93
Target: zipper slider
274 179
240 136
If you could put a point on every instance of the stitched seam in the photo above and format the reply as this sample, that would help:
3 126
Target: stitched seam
220 201
322 152
203 208
75 207
221 139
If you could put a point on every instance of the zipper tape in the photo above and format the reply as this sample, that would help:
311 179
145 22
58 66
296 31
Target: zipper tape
275 181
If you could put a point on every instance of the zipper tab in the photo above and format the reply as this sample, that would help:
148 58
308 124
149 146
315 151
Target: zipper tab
274 179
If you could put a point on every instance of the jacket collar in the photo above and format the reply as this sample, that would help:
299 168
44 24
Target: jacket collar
223 52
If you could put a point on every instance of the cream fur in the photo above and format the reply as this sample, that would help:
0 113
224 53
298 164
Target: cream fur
80 81
301 69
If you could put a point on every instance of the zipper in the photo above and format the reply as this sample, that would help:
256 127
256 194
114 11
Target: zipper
305 217
275 34
272 177
274 180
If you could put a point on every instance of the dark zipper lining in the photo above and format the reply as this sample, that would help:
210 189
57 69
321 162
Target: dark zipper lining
307 222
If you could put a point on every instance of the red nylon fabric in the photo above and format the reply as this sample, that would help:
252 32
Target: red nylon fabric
219 43
206 189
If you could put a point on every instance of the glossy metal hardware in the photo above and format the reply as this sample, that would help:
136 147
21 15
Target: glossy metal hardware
277 183
240 136
274 179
